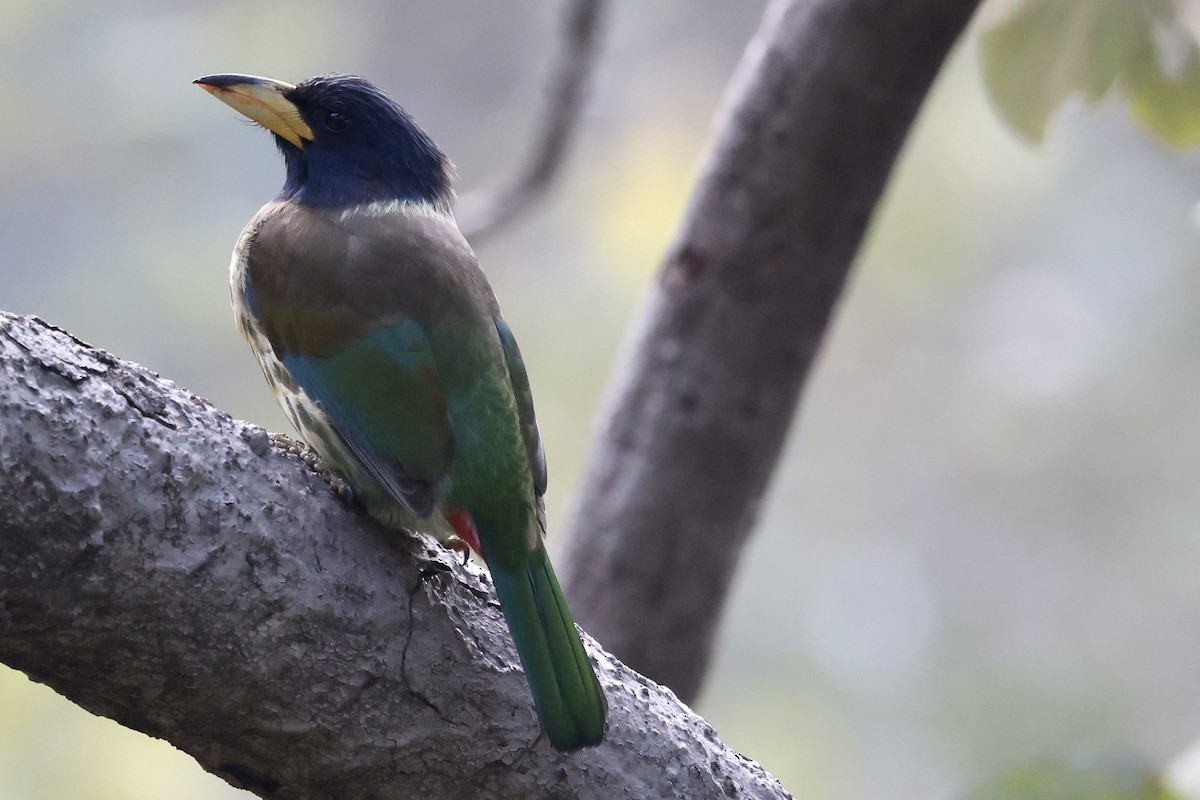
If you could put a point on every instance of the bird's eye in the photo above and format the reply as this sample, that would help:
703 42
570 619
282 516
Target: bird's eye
336 121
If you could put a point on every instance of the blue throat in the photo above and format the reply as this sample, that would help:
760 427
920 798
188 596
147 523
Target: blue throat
321 178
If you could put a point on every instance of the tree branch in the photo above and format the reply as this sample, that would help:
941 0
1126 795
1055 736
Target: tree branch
482 213
698 412
164 565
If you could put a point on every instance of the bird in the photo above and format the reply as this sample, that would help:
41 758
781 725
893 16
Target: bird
382 340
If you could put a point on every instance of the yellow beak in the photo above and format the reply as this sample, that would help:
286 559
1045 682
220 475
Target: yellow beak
262 100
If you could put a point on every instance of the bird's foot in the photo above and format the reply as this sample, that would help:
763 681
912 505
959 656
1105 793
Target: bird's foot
312 459
458 545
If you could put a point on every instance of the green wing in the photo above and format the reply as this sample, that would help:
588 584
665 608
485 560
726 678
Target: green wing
529 427
386 403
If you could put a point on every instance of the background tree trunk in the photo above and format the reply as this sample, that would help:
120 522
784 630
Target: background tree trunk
698 412
166 566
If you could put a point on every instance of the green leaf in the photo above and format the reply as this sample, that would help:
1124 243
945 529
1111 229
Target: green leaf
1113 779
1049 50
1163 83
1046 51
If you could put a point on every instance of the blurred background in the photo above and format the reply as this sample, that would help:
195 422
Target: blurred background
981 547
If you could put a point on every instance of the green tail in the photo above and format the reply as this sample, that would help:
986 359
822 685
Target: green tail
570 704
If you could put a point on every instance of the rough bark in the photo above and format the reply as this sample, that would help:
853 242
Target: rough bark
698 411
164 565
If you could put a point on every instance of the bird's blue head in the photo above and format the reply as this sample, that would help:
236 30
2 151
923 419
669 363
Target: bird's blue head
344 141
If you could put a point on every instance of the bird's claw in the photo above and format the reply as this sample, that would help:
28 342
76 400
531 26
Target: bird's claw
312 459
459 546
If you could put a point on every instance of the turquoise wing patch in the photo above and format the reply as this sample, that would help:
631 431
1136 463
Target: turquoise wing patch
386 402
